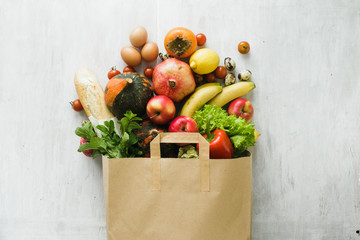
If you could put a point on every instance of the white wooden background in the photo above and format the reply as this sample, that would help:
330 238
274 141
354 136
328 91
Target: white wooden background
305 62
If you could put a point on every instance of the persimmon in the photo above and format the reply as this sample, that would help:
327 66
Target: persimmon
180 42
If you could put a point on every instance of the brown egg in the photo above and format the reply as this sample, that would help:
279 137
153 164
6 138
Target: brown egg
131 56
150 51
138 36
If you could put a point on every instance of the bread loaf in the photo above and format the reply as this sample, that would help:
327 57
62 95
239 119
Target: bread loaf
91 94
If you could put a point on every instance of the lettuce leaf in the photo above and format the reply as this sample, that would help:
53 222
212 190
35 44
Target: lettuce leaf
241 133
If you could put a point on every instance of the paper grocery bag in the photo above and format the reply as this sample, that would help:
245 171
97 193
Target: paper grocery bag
178 199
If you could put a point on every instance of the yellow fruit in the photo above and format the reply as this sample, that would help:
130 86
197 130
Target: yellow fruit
204 61
231 92
201 96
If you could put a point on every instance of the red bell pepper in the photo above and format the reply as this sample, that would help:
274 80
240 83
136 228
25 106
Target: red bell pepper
219 142
220 145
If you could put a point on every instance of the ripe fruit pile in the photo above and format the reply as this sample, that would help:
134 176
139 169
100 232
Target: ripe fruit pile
188 78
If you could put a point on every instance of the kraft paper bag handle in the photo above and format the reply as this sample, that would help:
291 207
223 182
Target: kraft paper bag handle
179 137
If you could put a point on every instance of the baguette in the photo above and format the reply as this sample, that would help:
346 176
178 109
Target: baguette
91 94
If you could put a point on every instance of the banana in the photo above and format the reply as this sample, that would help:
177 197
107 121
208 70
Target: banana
201 96
231 92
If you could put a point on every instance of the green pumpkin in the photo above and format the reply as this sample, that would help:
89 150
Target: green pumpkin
128 91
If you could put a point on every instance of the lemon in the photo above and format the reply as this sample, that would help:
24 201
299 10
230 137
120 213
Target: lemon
204 61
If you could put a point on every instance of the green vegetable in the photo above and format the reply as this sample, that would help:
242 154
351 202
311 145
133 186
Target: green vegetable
110 144
241 133
188 151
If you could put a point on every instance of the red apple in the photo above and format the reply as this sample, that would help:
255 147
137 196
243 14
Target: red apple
183 124
241 107
160 109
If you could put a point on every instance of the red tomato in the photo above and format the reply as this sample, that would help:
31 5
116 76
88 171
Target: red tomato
220 72
210 77
148 72
76 105
113 72
201 39
198 78
243 47
128 69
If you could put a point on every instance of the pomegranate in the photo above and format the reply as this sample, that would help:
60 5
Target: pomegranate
174 79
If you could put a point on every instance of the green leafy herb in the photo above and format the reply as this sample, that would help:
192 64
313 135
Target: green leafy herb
87 132
110 144
241 133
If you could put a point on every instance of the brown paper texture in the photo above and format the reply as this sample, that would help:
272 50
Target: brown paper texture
178 199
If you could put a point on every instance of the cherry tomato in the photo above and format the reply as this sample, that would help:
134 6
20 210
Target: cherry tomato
113 72
148 72
76 105
201 39
128 69
210 77
220 72
244 47
198 78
